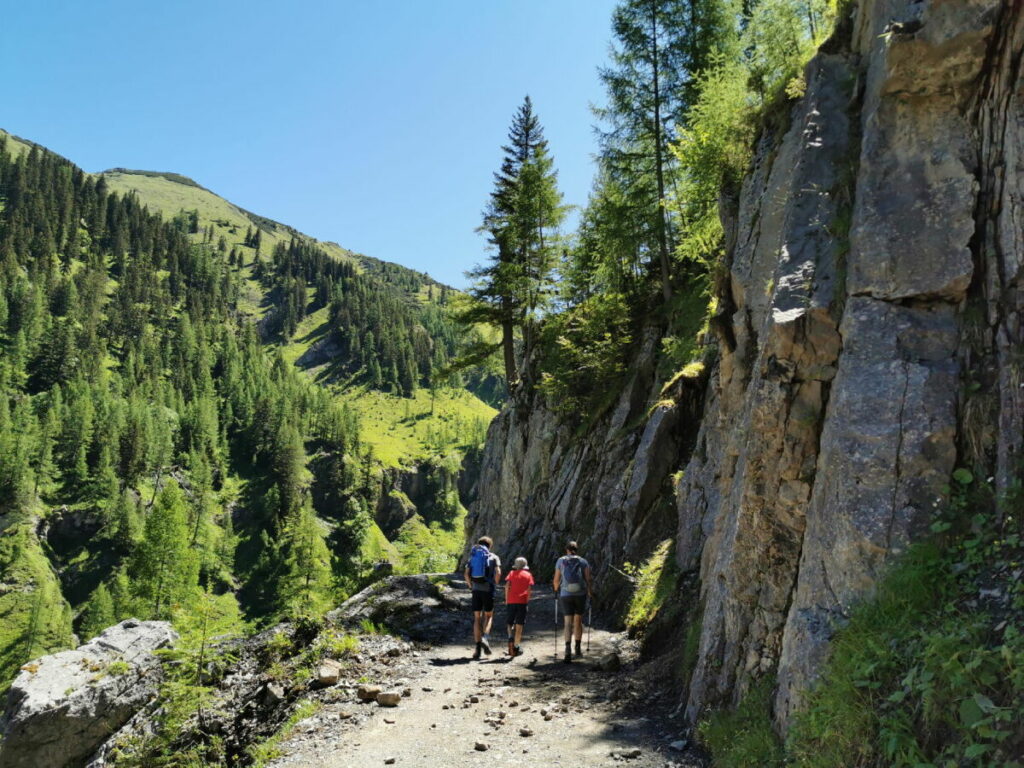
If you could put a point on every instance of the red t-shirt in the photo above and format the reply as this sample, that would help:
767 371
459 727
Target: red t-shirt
519 583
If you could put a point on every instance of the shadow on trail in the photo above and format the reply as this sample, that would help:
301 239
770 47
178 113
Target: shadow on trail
441 662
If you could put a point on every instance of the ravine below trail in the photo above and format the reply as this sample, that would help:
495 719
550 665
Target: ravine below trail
532 710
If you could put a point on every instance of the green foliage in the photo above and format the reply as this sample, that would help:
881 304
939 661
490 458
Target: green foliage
656 583
930 672
119 667
334 644
682 345
165 569
34 617
130 365
98 614
660 47
742 83
745 737
433 547
263 753
521 222
368 627
585 352
305 587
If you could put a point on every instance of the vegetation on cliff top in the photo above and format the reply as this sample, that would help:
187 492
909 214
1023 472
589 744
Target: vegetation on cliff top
690 85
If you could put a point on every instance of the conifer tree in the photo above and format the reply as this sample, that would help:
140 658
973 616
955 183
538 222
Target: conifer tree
521 222
661 46
165 569
305 585
98 613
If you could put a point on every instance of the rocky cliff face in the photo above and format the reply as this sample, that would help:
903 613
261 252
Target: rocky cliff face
542 483
869 342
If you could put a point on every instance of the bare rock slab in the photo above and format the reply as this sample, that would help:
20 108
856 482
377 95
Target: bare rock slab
61 707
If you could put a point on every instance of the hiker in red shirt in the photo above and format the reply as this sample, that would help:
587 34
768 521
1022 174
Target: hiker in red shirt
517 595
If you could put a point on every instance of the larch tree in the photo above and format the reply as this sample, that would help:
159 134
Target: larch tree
660 47
305 585
165 568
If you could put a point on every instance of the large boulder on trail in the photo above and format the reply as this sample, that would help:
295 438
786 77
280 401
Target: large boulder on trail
423 607
61 707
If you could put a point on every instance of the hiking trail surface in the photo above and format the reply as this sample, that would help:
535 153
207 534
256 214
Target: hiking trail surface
532 710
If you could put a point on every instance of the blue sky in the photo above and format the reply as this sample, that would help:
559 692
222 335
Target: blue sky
373 124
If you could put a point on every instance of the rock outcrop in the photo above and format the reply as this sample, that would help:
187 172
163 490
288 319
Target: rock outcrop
419 607
60 708
869 342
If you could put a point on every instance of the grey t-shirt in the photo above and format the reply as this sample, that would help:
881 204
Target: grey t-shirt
493 564
565 588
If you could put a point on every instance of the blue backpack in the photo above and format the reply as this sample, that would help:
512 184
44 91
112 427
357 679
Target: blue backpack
572 574
479 563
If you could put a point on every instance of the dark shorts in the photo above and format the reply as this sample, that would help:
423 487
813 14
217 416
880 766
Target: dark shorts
483 600
573 605
516 613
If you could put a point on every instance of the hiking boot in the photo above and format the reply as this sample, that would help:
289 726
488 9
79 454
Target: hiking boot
476 653
517 651
485 643
579 649
568 654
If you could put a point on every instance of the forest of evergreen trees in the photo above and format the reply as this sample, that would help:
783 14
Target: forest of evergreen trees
138 397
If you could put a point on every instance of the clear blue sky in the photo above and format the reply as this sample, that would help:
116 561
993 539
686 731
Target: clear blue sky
374 124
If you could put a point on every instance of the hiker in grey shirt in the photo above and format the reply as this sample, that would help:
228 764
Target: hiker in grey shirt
574 588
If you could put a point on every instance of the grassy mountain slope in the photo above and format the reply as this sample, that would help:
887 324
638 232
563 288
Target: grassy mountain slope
400 430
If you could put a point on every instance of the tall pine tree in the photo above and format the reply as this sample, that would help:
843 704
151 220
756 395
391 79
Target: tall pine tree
521 222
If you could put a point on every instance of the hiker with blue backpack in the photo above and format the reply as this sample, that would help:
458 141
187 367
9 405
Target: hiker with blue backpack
483 574
574 587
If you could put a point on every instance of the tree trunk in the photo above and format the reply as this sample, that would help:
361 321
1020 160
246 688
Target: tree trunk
666 286
508 344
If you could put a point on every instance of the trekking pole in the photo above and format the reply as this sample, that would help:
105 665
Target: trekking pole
556 624
590 620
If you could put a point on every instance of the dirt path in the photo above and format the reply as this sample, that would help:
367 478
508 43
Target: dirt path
575 714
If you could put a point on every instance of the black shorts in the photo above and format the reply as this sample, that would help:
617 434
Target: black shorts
573 605
516 613
483 600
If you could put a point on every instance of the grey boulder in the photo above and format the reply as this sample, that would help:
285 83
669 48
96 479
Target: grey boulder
60 708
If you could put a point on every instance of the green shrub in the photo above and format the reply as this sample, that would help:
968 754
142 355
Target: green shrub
744 737
266 751
927 673
656 583
585 352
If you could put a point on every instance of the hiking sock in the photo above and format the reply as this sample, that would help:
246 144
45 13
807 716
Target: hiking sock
511 647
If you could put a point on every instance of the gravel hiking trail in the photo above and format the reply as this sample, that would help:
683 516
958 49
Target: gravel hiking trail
532 710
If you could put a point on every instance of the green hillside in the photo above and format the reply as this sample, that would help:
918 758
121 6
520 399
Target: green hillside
195 399
400 430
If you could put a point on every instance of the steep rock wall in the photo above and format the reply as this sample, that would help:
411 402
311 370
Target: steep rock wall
834 423
542 482
869 341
